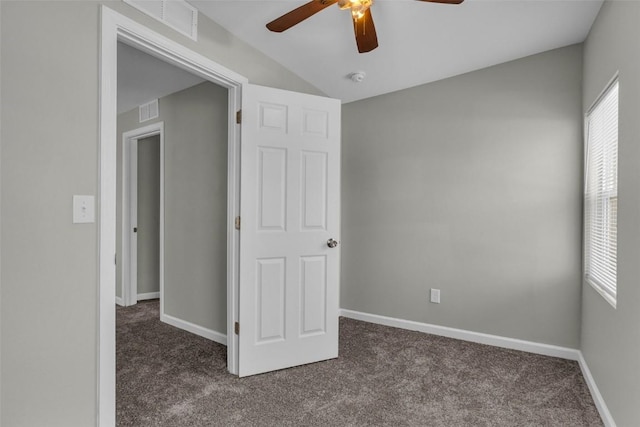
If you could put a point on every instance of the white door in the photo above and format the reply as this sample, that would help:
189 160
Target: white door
290 210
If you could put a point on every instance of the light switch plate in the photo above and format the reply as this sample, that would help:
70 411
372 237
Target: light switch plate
435 296
84 211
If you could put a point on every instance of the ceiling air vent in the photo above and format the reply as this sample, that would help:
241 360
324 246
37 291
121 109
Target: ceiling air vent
177 14
149 111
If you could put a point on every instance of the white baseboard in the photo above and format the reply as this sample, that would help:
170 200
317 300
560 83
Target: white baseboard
194 329
603 410
461 334
148 295
120 301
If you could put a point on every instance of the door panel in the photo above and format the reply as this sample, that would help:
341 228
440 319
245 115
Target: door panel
313 302
272 184
271 308
314 191
289 277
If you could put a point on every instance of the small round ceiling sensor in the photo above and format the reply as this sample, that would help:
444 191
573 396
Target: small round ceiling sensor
357 76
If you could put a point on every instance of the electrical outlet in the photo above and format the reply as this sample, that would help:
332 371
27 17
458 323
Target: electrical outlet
435 296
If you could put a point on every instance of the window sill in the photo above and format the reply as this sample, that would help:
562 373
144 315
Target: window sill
607 297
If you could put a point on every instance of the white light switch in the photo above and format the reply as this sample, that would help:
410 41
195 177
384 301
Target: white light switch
84 210
435 296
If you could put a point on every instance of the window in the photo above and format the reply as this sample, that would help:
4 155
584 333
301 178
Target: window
601 195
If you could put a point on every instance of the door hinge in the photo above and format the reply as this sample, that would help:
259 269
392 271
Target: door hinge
237 223
239 116
236 328
115 259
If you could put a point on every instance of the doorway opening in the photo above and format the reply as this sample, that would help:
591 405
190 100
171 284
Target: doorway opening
116 29
291 189
142 213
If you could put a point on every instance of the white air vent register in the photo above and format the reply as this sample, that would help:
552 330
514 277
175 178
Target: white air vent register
177 14
149 111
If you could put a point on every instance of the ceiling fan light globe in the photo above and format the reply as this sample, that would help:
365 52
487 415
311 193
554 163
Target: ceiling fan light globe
359 7
357 14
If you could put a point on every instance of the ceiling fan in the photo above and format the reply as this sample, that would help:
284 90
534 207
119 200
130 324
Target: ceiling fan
363 26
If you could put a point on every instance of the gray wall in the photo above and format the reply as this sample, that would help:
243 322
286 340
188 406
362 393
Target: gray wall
0 217
49 152
471 185
49 113
611 337
148 212
195 125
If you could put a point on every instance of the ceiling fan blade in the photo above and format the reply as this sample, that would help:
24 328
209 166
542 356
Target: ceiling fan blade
298 15
365 30
444 1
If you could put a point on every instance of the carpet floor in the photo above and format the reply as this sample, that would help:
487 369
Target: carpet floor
383 377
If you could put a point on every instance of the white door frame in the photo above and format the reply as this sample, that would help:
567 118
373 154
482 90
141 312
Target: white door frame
129 243
116 27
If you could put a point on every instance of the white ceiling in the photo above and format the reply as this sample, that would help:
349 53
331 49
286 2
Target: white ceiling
418 42
143 78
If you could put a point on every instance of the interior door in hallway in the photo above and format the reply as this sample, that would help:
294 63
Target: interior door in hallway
290 210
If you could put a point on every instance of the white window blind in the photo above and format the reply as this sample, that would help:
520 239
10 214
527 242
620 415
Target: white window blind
601 195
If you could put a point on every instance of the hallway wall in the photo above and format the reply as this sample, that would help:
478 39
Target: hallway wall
195 126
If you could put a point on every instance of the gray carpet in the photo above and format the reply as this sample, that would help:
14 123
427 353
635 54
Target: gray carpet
383 377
